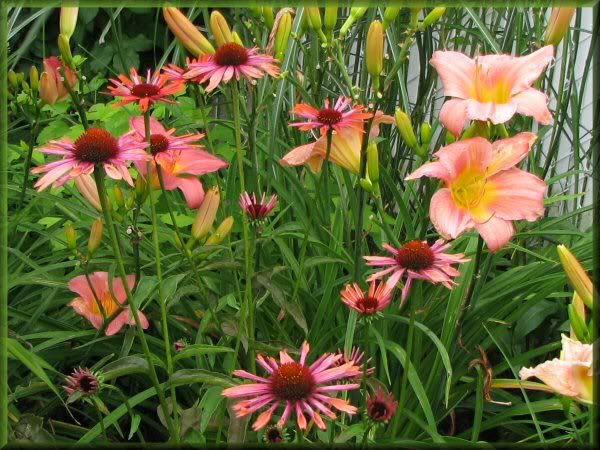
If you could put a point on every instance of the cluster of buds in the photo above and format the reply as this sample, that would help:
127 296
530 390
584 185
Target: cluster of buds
405 127
205 219
185 31
582 298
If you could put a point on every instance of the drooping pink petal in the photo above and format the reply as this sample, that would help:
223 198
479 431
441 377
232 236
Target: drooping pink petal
496 232
506 153
192 191
454 115
447 218
534 103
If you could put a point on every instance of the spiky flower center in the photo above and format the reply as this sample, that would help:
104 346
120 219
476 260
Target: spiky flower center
96 146
378 410
329 116
231 54
144 90
292 381
367 304
415 255
158 143
88 384
273 434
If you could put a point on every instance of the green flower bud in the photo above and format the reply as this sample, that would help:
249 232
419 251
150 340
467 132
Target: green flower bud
71 236
206 214
404 125
330 17
577 324
65 50
355 14
425 133
221 233
220 29
95 236
374 49
366 184
68 20
432 17
390 15
34 78
119 197
12 79
267 13
282 36
373 162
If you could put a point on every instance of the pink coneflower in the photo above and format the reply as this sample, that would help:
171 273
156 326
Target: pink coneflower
96 294
376 299
356 356
255 209
179 345
419 261
382 406
94 147
178 74
82 380
180 160
232 60
341 116
154 88
299 387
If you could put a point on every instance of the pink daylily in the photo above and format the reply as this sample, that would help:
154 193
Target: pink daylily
484 190
491 87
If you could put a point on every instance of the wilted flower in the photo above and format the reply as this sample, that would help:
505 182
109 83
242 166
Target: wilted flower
155 87
491 87
301 388
376 299
571 374
232 60
51 85
82 380
484 190
418 261
257 209
94 147
382 406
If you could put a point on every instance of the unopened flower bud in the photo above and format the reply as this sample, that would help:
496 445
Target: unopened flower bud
389 15
366 184
267 13
20 77
191 38
406 130
282 35
87 186
576 275
12 79
65 50
432 17
71 236
95 236
558 25
236 38
52 88
330 18
68 20
425 133
140 189
206 214
34 78
374 49
314 17
373 162
119 197
220 29
577 323
355 14
221 233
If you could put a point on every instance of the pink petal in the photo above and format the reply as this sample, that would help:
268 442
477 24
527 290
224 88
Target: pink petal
506 153
119 289
454 115
495 112
118 322
192 191
264 417
474 153
496 232
523 71
534 103
433 169
447 218
247 390
556 374
456 70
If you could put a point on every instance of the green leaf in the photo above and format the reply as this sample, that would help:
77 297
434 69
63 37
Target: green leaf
125 366
190 376
200 349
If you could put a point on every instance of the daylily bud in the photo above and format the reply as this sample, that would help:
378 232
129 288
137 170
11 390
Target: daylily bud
140 189
206 214
65 50
267 13
68 20
330 18
558 25
576 275
12 79
236 38
579 329
282 36
432 17
390 15
414 17
374 49
87 187
314 17
52 88
191 38
406 130
366 184
20 77
119 197
95 236
355 14
255 10
71 236
373 162
34 78
220 29
425 133
25 86
222 231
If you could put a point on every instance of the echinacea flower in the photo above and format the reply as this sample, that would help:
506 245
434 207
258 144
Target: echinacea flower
342 115
178 74
52 89
484 190
179 345
376 299
491 87
94 147
155 87
298 386
232 60
275 435
571 374
96 294
345 148
257 209
382 406
82 380
418 261
180 160
356 356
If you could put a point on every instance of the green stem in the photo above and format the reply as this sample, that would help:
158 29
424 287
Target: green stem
157 259
75 98
32 137
99 178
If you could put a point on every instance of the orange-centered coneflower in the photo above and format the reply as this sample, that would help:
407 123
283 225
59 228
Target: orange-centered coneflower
342 115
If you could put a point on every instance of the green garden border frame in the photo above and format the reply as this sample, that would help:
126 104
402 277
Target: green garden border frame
4 5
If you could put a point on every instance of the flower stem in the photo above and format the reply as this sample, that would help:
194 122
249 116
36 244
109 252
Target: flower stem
75 98
157 258
99 178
